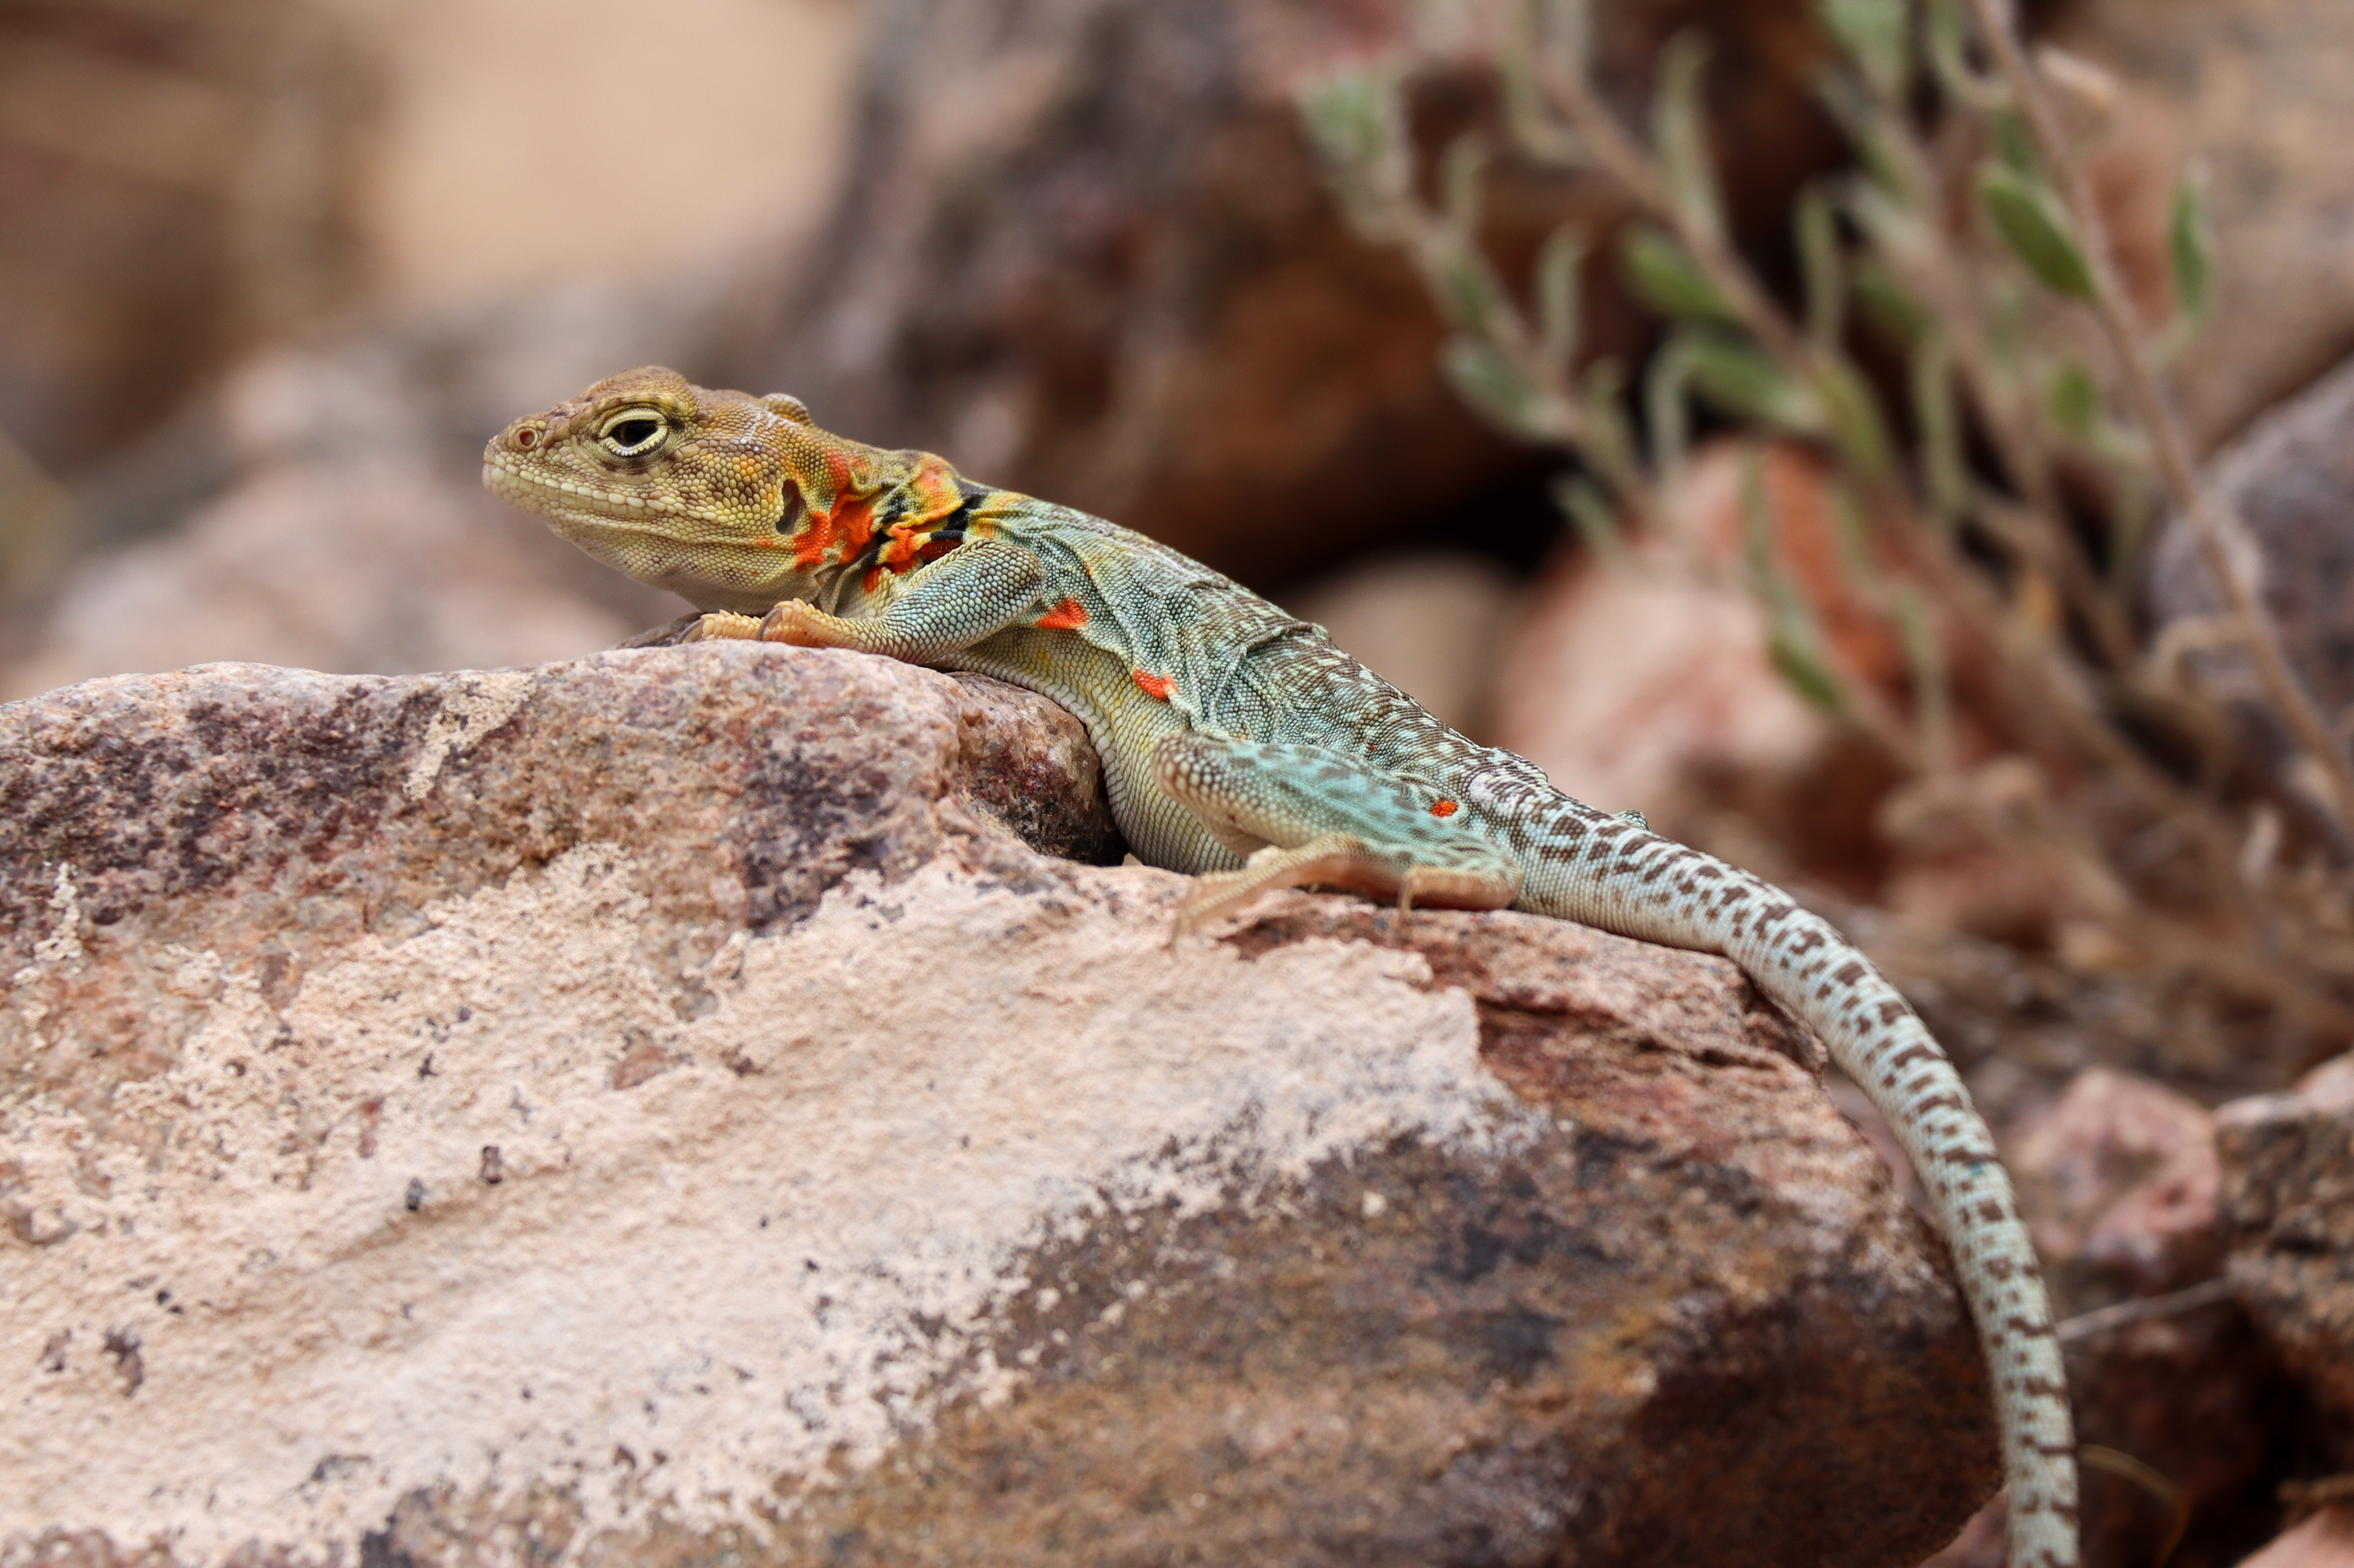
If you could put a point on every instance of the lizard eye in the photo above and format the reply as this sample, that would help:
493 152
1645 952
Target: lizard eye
633 432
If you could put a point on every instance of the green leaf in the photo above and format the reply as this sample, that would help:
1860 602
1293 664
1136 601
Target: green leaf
1873 34
1558 265
1469 293
1850 412
1589 513
1891 307
1792 640
1824 269
2074 401
1741 379
1665 277
2191 250
1938 415
1947 38
1679 136
2014 144
1924 658
1664 410
1484 376
1853 534
1607 436
1356 122
2028 219
1460 174
1351 117
1802 665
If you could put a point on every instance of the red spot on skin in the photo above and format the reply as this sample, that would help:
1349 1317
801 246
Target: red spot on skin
1157 687
872 578
1069 615
934 548
1444 809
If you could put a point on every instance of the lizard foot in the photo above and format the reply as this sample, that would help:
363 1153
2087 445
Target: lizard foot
1342 860
800 624
722 625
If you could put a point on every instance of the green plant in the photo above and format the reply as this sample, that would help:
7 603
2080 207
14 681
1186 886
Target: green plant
1972 540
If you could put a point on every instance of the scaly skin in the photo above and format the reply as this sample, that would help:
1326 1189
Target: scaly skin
1239 745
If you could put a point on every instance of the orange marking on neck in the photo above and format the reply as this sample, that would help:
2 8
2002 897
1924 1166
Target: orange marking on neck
853 521
813 541
1069 615
1157 687
816 539
872 580
1444 809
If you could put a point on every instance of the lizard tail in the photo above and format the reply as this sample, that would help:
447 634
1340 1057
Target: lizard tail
1612 874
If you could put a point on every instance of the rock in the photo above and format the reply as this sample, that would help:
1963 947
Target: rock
2123 1181
2288 1206
2322 1540
173 186
2290 482
1084 251
2118 1182
2255 94
650 1108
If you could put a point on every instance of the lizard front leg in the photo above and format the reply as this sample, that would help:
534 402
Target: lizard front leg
1305 815
972 593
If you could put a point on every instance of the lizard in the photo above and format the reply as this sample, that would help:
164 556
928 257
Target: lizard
1240 745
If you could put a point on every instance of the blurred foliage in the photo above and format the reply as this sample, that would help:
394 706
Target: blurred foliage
1998 496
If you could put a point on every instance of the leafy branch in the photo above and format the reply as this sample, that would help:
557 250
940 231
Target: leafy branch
1965 535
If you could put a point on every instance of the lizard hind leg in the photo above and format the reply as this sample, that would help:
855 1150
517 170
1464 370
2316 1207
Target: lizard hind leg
1307 816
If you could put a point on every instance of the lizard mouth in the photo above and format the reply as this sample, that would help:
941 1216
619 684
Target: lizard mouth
533 492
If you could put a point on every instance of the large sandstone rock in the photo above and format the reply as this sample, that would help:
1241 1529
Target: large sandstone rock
656 1107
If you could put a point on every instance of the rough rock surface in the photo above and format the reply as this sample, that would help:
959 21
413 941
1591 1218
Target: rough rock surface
648 1109
2288 1206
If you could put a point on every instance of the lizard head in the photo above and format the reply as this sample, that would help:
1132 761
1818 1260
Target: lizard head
734 501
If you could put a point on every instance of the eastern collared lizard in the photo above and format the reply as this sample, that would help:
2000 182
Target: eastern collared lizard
1239 745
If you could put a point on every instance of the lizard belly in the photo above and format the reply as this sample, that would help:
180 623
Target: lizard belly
1125 722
